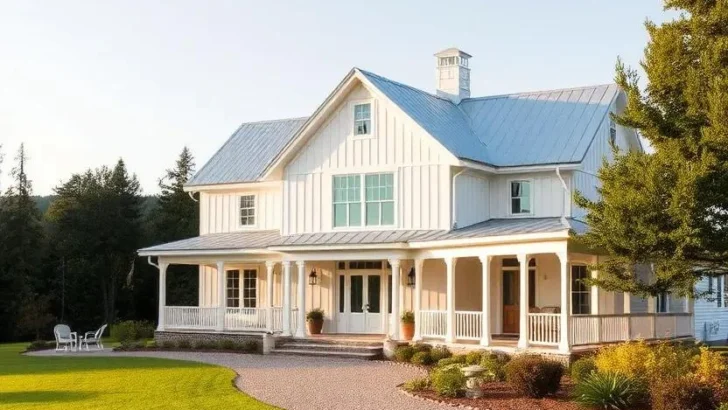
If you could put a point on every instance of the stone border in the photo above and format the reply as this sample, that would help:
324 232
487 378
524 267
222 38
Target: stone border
401 389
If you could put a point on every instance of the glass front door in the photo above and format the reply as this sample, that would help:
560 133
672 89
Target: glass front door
360 307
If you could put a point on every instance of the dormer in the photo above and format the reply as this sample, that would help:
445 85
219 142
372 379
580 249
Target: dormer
453 74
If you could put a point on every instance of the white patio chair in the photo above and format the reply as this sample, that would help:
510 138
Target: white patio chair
65 338
93 337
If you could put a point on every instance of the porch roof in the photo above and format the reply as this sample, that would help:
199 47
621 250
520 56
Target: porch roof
238 241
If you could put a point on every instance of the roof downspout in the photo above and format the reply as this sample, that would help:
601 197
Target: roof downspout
454 195
192 195
566 192
149 261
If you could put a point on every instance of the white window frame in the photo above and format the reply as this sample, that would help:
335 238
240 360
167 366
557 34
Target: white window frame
372 118
378 201
256 286
572 291
530 197
361 173
348 203
255 212
660 299
228 299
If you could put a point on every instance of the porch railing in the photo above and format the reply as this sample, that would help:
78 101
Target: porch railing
543 328
595 329
467 325
190 317
433 323
245 319
236 319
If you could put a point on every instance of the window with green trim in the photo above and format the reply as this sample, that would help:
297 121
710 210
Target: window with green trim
379 195
347 200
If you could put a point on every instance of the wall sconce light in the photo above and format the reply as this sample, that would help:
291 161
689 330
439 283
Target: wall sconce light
411 278
312 277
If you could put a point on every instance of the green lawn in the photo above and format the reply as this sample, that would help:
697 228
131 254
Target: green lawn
115 383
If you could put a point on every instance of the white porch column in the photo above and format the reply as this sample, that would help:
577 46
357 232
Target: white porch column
450 328
595 294
565 309
162 294
301 302
485 318
394 326
626 303
523 302
385 307
419 264
269 295
220 326
286 319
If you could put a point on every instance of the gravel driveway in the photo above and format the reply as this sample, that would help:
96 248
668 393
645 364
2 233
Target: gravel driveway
294 383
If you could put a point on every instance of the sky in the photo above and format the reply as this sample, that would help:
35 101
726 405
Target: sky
84 83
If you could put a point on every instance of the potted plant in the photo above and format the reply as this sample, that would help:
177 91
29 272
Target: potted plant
408 325
315 321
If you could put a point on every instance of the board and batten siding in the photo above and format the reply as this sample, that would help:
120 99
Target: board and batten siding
547 194
398 145
711 321
220 212
471 199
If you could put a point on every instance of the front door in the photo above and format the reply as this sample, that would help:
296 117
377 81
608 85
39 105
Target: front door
359 303
510 302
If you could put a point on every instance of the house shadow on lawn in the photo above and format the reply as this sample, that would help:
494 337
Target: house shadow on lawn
44 396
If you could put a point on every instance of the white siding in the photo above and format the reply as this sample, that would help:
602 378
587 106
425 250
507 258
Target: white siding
471 203
421 167
711 321
220 212
547 193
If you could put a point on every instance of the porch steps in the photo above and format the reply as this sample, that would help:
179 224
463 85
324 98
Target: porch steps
332 349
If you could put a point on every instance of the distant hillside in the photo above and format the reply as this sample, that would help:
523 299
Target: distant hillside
44 202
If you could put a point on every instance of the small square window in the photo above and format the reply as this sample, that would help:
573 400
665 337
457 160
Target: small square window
363 119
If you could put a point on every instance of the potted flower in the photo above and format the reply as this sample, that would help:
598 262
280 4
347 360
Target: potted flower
408 325
315 321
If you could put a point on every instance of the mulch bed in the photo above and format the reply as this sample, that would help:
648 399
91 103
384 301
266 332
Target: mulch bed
500 396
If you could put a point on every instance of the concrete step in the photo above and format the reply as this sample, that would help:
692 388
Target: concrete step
332 347
328 353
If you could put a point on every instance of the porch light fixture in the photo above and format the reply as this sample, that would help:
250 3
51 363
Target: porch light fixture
312 277
411 278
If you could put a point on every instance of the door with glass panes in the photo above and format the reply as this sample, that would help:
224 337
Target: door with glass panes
359 302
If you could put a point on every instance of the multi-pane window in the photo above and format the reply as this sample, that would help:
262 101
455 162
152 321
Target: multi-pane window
379 192
580 292
347 200
250 288
233 289
662 305
520 197
362 119
247 210
721 290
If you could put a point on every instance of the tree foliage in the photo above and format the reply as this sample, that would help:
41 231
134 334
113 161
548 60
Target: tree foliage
669 210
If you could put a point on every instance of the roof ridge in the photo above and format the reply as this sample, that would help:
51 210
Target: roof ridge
488 97
274 121
405 85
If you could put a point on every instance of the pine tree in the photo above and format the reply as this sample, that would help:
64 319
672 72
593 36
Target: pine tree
670 209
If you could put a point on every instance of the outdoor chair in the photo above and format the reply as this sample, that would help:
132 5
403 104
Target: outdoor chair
93 337
65 338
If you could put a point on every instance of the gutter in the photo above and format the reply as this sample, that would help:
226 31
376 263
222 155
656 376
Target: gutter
454 195
566 191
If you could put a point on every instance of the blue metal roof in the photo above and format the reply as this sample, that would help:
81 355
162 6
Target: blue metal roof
247 153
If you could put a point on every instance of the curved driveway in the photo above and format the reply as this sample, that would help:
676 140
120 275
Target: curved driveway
304 383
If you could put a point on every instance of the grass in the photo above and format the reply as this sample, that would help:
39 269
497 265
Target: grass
115 383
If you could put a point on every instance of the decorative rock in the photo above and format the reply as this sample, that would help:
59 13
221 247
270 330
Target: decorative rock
389 348
472 383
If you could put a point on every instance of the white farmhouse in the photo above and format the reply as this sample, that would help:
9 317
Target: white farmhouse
389 198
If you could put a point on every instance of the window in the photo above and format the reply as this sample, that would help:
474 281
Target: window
233 289
362 119
721 290
520 197
379 192
375 265
250 288
612 133
347 200
247 210
662 303
580 292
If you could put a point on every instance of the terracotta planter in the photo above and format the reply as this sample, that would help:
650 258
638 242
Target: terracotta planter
315 326
408 331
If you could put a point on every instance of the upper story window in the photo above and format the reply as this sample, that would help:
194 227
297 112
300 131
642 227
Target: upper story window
521 198
612 132
247 210
580 292
363 119
347 200
379 191
378 207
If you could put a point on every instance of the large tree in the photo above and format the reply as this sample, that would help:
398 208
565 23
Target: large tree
21 247
669 210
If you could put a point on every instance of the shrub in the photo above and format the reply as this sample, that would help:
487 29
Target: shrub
421 347
682 393
440 352
710 368
629 359
226 344
582 369
421 358
249 346
534 376
448 381
168 344
495 365
613 391
152 344
473 357
407 317
183 344
132 330
418 384
315 314
404 353
457 359
40 345
723 406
